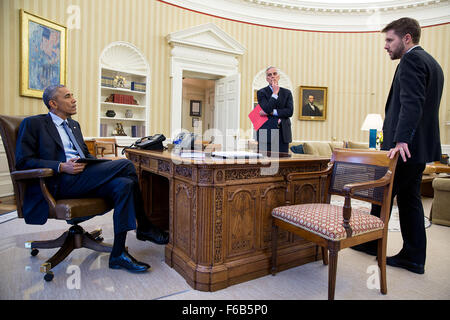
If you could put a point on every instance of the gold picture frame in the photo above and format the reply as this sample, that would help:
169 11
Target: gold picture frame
43 54
314 108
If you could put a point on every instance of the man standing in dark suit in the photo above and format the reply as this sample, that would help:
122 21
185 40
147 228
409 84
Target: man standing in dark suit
411 128
310 109
277 104
55 141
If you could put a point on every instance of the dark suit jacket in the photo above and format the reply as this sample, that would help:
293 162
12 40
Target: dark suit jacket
39 146
412 107
307 111
285 109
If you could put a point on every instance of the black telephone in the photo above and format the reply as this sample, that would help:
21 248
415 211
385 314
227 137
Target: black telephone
151 142
148 143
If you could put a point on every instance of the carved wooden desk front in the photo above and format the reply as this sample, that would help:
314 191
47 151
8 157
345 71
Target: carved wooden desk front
218 213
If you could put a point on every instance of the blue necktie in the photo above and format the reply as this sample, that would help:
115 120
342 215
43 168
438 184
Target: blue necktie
72 139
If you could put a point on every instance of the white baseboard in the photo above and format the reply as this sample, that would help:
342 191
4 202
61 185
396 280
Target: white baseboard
445 149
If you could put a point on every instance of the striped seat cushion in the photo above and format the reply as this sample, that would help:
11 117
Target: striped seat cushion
326 220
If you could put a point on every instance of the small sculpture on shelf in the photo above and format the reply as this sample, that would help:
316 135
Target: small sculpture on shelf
110 98
119 82
118 131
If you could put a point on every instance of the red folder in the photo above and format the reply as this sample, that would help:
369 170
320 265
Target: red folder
256 118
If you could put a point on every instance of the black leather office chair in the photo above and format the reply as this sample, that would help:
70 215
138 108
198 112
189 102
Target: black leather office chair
73 211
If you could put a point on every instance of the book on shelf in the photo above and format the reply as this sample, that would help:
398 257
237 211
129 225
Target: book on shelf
138 86
107 82
134 131
103 130
140 130
123 98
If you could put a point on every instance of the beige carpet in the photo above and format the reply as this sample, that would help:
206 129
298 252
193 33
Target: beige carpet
20 277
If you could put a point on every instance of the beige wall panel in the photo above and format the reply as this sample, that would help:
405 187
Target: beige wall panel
354 66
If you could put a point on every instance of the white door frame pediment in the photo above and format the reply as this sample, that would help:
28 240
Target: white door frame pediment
206 36
202 49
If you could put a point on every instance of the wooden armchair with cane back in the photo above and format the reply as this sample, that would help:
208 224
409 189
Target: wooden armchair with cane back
73 211
104 146
359 174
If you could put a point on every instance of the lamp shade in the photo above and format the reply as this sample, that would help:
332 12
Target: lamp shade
372 121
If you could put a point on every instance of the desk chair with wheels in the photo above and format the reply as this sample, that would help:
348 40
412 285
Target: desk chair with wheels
352 173
73 211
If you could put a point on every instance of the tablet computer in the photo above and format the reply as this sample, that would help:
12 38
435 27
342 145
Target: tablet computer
91 160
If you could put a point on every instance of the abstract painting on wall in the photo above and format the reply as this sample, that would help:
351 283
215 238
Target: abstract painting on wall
43 54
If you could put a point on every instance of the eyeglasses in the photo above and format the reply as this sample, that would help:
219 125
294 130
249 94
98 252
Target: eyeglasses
270 74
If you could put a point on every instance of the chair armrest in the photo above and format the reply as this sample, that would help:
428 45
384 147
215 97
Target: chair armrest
32 173
103 145
299 175
350 188
41 174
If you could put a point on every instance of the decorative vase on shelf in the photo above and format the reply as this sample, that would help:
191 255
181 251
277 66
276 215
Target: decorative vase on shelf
110 113
129 114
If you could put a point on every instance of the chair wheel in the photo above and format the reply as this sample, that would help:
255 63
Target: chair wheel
49 276
34 252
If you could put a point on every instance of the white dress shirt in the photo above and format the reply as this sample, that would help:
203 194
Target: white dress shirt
69 148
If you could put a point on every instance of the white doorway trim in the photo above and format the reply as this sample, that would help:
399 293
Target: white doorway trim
203 49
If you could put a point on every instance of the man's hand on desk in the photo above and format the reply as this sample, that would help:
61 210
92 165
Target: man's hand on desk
71 167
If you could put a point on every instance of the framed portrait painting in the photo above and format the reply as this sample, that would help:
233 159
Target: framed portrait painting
195 109
43 58
313 103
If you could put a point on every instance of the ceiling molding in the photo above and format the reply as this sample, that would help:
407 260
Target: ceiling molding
326 16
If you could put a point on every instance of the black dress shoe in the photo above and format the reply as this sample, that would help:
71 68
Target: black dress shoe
126 261
366 248
398 261
136 261
153 234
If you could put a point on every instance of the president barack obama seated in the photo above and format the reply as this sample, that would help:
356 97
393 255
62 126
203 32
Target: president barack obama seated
55 141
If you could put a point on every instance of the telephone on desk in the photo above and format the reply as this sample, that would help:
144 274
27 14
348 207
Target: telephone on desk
184 141
148 143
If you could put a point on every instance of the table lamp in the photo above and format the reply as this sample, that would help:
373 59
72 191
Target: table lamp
372 123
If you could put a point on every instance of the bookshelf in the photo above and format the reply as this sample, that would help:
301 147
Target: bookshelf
123 93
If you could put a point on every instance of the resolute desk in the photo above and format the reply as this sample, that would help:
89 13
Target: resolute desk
218 213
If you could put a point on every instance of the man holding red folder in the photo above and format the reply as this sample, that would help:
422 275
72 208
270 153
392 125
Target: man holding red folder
277 104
